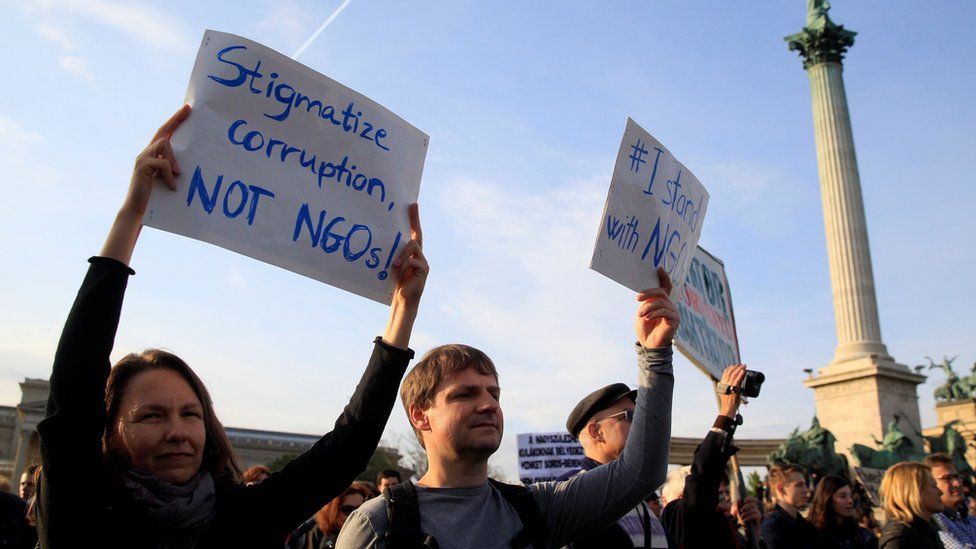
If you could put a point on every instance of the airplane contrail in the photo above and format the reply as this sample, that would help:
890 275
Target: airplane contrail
316 34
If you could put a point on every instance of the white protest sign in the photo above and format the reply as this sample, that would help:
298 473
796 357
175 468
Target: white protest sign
653 215
706 334
287 166
547 456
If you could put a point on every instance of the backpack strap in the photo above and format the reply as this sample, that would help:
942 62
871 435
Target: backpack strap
533 533
403 519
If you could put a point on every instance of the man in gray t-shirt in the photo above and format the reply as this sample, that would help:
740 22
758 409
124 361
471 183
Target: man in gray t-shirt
452 402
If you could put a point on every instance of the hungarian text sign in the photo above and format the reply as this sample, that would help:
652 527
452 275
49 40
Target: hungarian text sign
547 456
707 334
653 215
285 165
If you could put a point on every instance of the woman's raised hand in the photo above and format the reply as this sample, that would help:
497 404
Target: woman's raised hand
155 161
411 271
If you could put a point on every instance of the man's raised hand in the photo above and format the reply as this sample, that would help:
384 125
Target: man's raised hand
657 316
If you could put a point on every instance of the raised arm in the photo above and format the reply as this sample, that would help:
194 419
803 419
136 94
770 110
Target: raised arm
155 162
588 502
309 481
71 432
701 487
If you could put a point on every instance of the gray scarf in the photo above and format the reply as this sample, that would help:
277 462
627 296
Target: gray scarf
179 513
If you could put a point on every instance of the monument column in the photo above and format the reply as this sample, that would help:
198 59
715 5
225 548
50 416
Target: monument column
862 389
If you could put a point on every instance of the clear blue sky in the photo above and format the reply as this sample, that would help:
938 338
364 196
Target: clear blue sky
525 105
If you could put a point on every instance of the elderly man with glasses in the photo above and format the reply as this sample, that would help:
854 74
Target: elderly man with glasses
601 422
956 528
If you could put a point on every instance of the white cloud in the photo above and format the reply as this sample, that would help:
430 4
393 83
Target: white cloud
145 23
54 34
77 66
13 134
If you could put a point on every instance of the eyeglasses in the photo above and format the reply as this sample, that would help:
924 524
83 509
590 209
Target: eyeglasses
348 509
950 478
628 416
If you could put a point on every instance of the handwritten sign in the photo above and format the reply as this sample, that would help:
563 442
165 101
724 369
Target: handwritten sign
287 166
547 456
653 214
707 334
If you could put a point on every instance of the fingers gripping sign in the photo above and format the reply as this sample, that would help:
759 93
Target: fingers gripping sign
657 316
155 161
411 271
411 266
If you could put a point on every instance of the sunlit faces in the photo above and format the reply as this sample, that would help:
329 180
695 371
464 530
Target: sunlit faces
160 426
931 495
465 420
611 427
794 491
950 482
843 502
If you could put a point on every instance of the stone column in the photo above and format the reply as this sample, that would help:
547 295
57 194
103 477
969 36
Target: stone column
863 388
851 277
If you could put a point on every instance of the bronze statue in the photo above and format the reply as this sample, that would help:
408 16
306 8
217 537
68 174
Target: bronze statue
954 388
813 449
895 447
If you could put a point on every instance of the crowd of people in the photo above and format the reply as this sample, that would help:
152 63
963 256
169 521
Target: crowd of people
133 455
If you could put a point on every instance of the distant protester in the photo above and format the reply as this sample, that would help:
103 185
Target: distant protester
832 513
256 475
27 483
387 478
321 531
784 527
910 497
134 455
956 527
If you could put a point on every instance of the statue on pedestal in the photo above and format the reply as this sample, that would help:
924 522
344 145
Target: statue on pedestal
954 388
814 450
895 447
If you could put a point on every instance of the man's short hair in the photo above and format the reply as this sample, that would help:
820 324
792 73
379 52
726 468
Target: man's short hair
420 384
780 473
387 473
938 458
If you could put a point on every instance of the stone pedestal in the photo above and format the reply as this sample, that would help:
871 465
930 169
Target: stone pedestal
857 399
964 413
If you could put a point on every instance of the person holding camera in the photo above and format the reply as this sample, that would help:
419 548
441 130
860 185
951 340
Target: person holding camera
697 518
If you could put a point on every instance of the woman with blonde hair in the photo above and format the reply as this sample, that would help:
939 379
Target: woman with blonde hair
909 496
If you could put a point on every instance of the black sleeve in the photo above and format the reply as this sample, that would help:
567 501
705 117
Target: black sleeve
71 431
311 480
701 487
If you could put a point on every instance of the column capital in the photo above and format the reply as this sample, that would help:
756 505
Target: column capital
821 40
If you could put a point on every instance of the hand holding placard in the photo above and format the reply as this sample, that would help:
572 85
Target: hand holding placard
657 316
154 162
